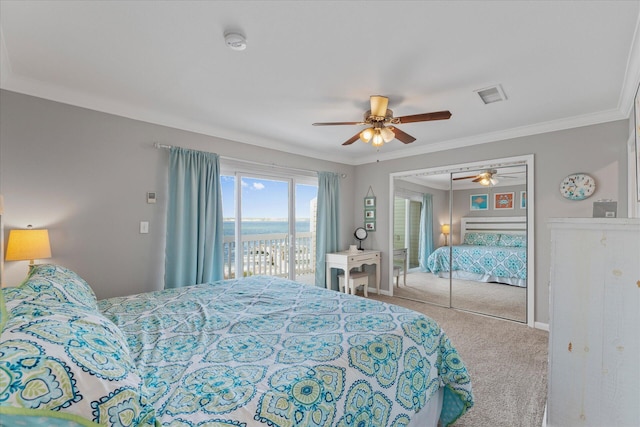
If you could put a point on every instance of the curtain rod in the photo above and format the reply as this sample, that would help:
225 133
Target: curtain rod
272 165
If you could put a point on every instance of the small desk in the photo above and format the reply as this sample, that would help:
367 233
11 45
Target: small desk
346 260
401 254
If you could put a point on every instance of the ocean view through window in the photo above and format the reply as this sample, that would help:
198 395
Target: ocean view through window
274 219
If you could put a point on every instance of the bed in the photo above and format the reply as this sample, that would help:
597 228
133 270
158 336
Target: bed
249 352
494 249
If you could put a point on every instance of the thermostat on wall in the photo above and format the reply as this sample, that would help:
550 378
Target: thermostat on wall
151 197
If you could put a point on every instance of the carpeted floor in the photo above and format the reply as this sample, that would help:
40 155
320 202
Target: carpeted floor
504 301
507 362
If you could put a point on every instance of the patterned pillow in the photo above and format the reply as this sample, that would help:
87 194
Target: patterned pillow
66 362
513 240
49 282
481 239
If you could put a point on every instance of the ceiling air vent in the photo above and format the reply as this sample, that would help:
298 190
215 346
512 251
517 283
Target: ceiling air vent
491 94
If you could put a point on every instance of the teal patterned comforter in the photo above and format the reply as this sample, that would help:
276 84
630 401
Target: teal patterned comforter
268 351
495 262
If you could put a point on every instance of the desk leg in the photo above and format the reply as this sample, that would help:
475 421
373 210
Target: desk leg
378 278
327 278
347 289
405 271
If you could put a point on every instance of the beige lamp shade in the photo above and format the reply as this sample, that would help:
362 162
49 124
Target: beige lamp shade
445 228
28 245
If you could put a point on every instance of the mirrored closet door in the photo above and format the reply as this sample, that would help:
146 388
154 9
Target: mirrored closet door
476 256
489 242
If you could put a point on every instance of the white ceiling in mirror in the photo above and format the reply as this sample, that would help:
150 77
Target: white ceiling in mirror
503 176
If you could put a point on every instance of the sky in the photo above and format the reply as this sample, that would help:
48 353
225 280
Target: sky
263 198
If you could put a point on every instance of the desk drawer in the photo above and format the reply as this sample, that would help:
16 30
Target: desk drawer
364 258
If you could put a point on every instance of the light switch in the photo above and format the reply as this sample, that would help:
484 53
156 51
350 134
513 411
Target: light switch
144 227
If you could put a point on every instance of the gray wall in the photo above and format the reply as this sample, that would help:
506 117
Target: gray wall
84 175
461 206
599 150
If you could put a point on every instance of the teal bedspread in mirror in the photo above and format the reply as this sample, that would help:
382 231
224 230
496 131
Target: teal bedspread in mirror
268 351
493 262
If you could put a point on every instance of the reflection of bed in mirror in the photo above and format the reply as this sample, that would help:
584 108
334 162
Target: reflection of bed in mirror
493 249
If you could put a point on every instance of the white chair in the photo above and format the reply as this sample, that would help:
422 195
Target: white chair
400 256
396 274
356 279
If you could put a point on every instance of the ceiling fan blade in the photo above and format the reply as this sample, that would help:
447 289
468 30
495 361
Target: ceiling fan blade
353 139
402 136
338 123
379 105
465 177
478 179
425 117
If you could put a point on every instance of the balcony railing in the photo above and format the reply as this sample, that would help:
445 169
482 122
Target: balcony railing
268 254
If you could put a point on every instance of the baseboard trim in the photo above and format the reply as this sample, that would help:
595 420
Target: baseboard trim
542 326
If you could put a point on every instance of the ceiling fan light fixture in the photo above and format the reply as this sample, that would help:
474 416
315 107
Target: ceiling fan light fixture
488 180
378 140
366 135
387 134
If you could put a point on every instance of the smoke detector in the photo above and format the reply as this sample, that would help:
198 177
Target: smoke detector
235 41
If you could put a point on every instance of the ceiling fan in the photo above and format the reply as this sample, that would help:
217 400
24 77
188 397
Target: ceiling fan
486 178
381 123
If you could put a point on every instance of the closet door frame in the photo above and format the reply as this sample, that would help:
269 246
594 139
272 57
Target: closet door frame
527 160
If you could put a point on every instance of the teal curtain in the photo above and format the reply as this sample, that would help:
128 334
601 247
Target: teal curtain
194 247
327 223
425 243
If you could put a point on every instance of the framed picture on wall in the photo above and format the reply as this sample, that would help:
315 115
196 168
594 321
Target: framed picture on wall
370 214
479 202
370 226
503 200
370 202
523 200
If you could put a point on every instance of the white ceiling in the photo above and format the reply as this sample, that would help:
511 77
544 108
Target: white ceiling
562 64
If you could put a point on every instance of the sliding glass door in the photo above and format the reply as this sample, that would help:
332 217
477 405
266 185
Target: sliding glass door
268 226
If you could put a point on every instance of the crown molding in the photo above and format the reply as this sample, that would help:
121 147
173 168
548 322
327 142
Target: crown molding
519 132
40 89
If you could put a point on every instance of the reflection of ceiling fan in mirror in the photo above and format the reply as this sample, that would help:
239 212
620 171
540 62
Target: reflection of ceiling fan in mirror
487 177
378 117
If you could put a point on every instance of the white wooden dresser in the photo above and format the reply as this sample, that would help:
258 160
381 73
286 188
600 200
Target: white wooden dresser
594 331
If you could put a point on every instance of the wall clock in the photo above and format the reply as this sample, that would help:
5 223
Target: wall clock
577 186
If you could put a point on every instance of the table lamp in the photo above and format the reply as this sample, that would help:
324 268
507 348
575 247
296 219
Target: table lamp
29 245
446 229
